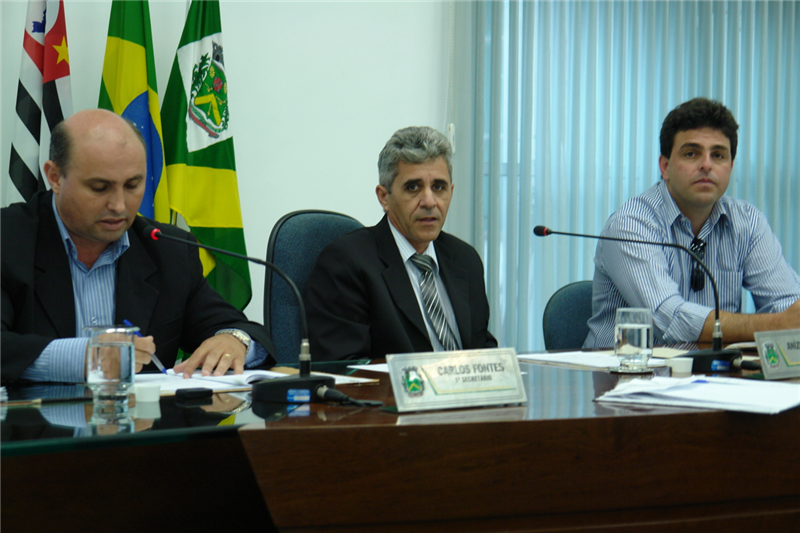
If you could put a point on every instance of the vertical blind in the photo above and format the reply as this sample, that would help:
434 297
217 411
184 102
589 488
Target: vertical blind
567 101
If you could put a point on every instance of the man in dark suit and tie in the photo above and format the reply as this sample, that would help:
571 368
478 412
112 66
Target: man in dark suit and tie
75 256
403 285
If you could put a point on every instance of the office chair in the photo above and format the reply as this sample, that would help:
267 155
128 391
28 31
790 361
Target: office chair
565 316
294 245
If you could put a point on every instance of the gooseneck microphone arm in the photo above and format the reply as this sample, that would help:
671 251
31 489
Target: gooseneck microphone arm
302 388
155 234
542 231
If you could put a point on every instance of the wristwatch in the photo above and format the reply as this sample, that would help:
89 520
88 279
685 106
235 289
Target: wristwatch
240 335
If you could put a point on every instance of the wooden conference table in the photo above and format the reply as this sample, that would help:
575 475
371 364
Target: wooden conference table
560 463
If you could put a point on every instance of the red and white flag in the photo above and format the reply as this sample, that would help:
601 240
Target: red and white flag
44 96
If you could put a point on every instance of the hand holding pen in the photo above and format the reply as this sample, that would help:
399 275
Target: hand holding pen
145 346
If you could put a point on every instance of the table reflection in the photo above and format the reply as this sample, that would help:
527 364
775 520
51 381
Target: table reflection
66 411
553 393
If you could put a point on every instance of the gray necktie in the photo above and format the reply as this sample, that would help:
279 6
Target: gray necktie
433 304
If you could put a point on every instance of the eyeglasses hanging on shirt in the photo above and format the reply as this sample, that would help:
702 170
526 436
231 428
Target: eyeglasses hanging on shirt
698 247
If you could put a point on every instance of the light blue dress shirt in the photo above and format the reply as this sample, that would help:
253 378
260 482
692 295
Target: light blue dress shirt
741 251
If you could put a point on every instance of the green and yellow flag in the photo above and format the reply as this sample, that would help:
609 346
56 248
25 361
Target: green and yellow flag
198 148
129 88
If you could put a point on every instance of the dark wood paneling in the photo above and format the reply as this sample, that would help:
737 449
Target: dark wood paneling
656 465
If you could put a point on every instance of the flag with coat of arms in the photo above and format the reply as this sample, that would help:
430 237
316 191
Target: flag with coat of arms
199 154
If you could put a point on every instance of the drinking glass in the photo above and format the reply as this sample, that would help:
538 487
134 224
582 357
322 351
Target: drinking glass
110 368
633 339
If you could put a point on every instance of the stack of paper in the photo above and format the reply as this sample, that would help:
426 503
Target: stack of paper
729 394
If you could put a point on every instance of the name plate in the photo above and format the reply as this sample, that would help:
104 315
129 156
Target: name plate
462 378
779 352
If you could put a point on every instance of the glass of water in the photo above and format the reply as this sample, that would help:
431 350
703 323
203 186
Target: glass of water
110 368
633 339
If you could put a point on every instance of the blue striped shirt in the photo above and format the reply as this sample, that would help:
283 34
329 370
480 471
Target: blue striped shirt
406 251
93 289
741 251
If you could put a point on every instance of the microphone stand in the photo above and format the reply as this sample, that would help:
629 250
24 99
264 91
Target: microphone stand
301 388
713 359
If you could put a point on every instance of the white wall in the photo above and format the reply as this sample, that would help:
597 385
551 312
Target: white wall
316 90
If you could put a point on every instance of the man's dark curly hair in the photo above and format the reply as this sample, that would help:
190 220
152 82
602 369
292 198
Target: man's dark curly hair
695 114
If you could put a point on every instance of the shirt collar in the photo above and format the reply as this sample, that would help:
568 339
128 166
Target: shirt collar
673 213
406 250
114 250
670 207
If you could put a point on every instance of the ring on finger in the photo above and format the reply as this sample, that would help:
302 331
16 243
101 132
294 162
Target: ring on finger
227 355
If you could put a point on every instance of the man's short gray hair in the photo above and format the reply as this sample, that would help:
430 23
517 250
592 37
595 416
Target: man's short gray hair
414 145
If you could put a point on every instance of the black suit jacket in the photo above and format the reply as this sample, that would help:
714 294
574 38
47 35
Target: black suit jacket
160 288
360 302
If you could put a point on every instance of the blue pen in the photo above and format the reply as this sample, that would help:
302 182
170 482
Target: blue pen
152 356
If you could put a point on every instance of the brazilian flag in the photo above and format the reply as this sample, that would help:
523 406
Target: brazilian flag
198 150
129 89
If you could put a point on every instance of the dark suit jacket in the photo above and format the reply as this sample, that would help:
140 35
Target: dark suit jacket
160 288
360 302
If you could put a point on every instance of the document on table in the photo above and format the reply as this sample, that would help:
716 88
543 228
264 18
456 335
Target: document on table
584 359
729 394
596 359
170 382
660 352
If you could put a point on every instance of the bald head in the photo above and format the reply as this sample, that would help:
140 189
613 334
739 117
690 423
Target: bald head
91 125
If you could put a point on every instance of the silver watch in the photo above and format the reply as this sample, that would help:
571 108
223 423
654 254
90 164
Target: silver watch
240 335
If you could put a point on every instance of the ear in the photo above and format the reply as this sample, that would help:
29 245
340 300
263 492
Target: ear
383 197
663 165
53 174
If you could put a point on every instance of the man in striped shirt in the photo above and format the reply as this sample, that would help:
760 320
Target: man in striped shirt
688 207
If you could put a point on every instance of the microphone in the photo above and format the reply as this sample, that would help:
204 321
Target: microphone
301 388
714 359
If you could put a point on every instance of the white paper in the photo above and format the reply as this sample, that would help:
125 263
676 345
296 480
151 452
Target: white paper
660 352
730 394
604 360
590 359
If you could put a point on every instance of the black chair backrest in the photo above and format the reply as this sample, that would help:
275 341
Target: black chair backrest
565 316
294 245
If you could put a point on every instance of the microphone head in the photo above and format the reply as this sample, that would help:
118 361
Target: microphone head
541 231
152 232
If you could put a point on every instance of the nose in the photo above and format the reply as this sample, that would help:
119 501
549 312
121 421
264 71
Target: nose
116 201
705 163
426 198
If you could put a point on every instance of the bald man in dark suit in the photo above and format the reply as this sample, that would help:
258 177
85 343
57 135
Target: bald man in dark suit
75 256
